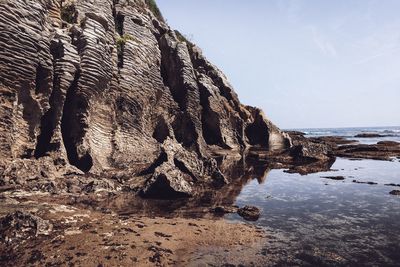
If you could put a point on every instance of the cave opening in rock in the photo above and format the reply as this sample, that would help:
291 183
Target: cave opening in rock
211 129
47 122
72 128
120 53
177 95
161 189
210 120
46 132
119 23
85 163
170 77
41 80
184 130
161 132
257 134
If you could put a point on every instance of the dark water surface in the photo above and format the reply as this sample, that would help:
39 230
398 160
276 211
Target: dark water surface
321 222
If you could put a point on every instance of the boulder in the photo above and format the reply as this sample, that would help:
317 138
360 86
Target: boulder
337 178
249 213
167 182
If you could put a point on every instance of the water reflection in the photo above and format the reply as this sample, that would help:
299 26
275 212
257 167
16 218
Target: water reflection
325 222
310 220
240 170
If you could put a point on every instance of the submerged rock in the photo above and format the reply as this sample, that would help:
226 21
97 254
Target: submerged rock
393 184
339 178
369 135
360 182
395 192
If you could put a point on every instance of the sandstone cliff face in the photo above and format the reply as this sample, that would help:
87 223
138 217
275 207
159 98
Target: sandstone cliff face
105 84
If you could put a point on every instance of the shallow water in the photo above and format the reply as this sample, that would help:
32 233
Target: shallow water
311 221
323 222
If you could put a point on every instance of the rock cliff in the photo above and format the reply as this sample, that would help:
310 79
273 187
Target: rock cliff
97 86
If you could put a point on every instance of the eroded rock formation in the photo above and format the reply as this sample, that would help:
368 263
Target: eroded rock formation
107 85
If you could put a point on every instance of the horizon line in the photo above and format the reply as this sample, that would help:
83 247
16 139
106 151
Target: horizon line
346 127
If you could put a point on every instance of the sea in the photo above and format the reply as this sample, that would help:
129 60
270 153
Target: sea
387 133
315 221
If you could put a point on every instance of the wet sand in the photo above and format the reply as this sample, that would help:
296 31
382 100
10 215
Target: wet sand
84 237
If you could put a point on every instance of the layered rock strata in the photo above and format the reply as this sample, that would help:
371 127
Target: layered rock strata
107 85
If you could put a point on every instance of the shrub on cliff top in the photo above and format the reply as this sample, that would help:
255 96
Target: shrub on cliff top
181 37
154 8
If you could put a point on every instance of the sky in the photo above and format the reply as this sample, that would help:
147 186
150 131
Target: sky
306 63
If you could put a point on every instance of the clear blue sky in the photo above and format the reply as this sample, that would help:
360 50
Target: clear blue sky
306 63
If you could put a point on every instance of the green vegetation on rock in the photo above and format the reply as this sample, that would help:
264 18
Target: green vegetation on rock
181 37
121 41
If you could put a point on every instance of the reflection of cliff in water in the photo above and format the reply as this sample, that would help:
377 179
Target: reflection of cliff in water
239 170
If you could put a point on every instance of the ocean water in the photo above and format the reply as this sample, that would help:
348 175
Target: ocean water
389 133
316 221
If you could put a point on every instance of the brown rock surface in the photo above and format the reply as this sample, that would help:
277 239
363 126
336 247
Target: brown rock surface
249 213
101 102
101 86
307 155
342 147
385 150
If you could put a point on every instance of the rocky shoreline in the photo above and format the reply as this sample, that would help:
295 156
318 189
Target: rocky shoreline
84 217
347 148
121 144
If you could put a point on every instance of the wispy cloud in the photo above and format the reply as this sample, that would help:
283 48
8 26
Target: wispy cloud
290 9
325 46
377 55
382 42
